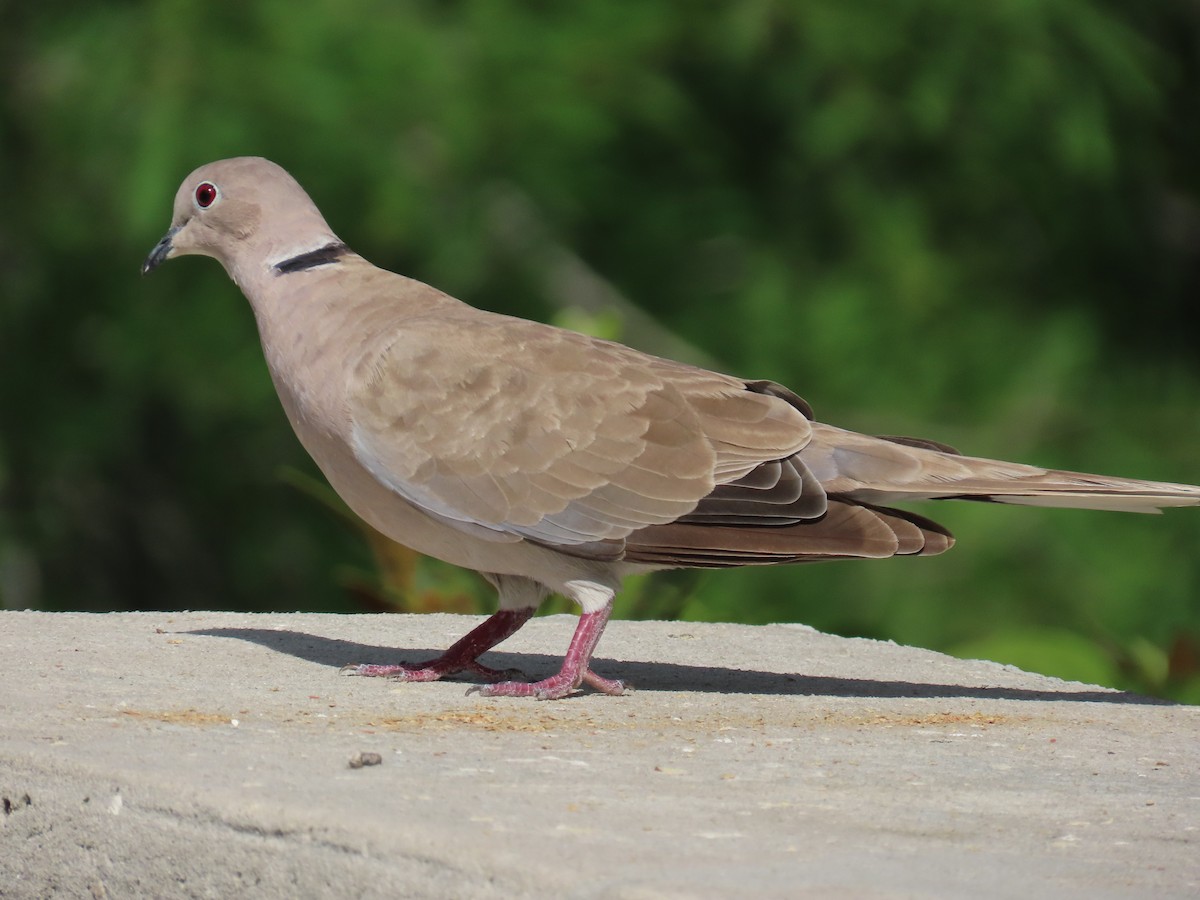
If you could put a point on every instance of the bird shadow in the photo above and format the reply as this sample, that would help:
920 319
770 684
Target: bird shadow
664 676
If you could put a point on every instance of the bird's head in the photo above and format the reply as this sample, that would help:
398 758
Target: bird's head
247 213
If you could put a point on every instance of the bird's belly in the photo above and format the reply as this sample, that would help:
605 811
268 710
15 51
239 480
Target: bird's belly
393 516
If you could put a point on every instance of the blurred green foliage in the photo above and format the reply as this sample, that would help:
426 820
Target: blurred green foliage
976 222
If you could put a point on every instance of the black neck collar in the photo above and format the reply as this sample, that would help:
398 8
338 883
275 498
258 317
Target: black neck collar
322 256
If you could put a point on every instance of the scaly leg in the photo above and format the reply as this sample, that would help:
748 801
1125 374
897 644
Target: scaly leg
574 670
462 656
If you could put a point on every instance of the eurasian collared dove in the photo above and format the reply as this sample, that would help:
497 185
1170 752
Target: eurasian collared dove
553 462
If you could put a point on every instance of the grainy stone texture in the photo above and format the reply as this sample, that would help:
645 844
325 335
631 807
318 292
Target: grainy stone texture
208 755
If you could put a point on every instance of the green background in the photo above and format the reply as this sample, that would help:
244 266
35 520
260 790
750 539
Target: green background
974 222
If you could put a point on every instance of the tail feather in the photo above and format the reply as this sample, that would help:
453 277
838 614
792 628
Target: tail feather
1151 503
887 470
833 500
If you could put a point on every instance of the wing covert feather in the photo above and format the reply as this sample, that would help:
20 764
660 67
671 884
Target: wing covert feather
523 429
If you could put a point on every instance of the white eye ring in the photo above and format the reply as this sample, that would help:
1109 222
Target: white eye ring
205 195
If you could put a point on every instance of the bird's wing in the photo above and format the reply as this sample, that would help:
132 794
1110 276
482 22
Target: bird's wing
505 426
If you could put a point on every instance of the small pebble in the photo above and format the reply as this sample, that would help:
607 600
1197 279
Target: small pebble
366 758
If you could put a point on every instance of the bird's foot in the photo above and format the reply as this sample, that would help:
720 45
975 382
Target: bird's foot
462 657
553 688
434 670
576 668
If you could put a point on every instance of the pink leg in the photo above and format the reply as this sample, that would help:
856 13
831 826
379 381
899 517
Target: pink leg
462 656
574 669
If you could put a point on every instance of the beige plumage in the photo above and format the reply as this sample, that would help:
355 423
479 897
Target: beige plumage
554 462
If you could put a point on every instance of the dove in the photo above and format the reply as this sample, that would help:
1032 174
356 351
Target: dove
553 462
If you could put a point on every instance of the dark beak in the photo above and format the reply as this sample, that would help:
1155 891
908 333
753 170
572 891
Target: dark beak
159 254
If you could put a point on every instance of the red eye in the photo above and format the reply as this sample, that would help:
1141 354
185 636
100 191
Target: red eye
206 193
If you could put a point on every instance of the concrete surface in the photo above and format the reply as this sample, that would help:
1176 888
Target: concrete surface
206 755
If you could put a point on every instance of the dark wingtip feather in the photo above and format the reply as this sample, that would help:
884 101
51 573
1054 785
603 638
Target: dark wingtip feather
847 531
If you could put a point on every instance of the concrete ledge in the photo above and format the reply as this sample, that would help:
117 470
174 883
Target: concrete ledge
206 754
